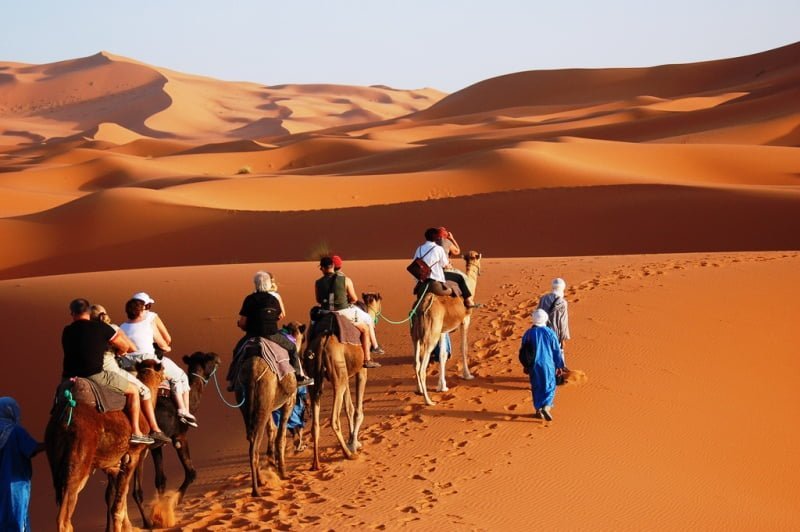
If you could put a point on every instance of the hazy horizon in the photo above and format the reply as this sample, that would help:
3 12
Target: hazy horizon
363 43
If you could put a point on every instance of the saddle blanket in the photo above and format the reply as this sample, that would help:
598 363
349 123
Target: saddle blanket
276 357
87 392
333 322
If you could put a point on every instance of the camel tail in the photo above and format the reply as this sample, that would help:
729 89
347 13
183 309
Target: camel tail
57 448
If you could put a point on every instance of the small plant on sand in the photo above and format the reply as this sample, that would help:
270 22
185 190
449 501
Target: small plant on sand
244 170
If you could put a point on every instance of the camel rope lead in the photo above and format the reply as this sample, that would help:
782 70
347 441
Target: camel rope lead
410 314
70 405
219 391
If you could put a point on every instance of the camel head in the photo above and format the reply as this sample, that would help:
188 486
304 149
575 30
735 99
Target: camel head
150 372
473 260
372 302
200 366
296 330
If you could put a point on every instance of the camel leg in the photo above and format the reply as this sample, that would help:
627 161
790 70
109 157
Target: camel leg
138 495
280 439
77 474
315 408
158 465
422 371
349 411
443 357
417 364
361 385
464 341
120 506
270 433
189 473
341 387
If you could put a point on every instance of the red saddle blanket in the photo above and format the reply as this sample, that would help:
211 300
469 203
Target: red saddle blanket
333 322
276 357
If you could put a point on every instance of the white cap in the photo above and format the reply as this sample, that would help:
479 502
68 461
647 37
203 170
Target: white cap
143 297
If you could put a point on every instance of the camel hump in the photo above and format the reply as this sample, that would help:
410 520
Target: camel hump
84 391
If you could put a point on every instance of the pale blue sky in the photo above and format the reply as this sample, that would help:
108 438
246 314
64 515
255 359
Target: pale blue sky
405 44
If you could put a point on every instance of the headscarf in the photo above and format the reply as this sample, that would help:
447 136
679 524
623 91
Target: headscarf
9 418
540 318
558 286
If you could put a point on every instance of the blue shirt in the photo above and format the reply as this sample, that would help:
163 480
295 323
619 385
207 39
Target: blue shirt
15 480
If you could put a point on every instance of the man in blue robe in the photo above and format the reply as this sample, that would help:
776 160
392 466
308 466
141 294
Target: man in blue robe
17 447
541 358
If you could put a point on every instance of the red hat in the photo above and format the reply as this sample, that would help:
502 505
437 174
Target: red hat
443 232
337 261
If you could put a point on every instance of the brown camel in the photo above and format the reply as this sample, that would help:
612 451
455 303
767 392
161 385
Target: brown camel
262 394
328 358
200 368
441 314
88 440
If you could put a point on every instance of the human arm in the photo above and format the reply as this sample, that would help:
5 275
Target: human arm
124 345
159 340
162 329
283 309
351 291
242 322
455 249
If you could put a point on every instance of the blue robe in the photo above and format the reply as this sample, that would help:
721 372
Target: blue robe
296 418
15 480
541 354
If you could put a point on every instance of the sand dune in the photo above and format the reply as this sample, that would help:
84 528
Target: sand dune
665 388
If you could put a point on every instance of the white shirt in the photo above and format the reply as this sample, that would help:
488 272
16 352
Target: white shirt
141 334
436 258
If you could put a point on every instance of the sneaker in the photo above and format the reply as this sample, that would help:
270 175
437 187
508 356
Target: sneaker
147 440
304 381
377 350
160 437
546 413
474 305
187 420
371 364
187 414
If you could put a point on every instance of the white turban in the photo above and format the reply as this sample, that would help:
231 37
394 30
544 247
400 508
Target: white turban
540 318
558 286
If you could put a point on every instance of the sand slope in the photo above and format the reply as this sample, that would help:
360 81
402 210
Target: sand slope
670 369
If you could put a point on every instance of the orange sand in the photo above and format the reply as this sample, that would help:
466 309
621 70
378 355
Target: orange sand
668 195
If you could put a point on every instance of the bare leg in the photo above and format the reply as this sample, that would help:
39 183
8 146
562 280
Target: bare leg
365 342
135 409
150 415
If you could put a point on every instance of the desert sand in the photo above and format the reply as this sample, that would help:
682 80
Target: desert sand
667 197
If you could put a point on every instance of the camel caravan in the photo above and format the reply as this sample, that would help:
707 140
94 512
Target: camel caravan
122 397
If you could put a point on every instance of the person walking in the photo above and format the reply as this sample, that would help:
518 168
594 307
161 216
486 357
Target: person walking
17 447
555 305
541 358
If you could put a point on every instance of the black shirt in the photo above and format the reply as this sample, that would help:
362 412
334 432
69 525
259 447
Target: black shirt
261 310
84 343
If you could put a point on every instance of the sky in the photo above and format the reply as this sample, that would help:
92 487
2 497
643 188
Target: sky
445 44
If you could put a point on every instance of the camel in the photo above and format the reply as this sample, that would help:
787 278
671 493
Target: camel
440 314
90 440
262 394
328 358
201 367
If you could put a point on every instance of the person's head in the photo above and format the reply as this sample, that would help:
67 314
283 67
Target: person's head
326 264
540 318
558 286
145 298
98 313
134 308
79 307
337 263
443 233
262 281
9 410
431 234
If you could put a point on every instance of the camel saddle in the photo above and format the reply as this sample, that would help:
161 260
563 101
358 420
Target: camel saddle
86 392
336 324
455 290
276 357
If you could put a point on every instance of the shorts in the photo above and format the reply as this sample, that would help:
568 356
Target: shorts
111 380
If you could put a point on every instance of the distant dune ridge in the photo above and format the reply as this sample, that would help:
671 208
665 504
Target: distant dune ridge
628 152
116 177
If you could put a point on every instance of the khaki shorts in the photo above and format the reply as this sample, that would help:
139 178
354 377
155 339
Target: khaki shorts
116 382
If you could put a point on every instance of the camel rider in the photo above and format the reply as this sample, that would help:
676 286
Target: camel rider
452 249
435 256
362 316
84 342
258 317
334 292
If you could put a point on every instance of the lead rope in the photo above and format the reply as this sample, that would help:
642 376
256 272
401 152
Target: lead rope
410 314
219 390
